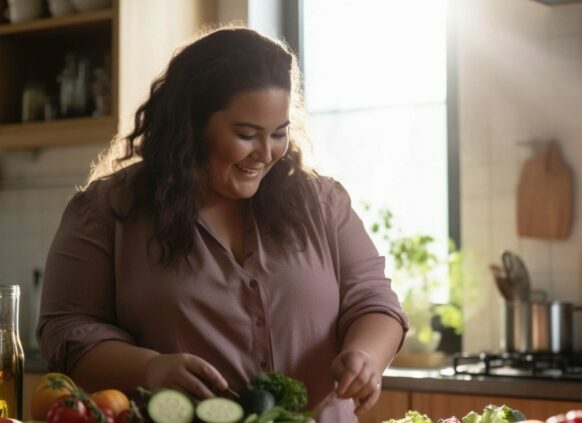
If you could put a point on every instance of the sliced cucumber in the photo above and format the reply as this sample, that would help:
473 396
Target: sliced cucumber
170 406
219 410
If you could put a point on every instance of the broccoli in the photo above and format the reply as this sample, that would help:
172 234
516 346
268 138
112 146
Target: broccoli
289 393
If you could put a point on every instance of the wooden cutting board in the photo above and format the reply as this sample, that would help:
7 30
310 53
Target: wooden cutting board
545 196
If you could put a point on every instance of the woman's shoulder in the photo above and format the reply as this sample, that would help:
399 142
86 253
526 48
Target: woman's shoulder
109 195
328 190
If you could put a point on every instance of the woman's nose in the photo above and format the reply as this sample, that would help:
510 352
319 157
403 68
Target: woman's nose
263 151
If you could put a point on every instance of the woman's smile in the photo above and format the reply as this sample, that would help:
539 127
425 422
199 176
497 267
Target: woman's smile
247 170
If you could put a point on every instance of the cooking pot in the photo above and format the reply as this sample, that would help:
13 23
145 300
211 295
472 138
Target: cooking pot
537 326
525 326
562 326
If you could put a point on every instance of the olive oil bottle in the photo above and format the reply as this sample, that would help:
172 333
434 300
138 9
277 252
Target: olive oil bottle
11 354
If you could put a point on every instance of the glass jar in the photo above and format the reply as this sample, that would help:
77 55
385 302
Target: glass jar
11 354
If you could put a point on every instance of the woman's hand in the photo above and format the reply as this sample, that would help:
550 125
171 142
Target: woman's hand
185 372
358 377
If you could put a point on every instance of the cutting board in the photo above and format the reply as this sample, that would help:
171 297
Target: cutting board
545 196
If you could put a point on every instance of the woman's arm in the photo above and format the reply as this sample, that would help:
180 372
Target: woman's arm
116 364
370 344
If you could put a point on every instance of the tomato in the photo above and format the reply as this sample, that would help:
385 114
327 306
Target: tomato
68 409
112 399
50 387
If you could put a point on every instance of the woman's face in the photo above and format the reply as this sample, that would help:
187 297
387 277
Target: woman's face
246 140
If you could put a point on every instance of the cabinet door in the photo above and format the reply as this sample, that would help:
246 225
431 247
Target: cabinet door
390 405
438 406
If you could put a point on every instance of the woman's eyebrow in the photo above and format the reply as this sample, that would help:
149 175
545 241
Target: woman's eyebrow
258 127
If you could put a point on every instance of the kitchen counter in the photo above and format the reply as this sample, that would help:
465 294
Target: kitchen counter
445 381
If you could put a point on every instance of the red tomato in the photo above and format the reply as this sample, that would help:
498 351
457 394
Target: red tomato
68 409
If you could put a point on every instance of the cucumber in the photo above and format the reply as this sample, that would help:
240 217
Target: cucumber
170 406
219 410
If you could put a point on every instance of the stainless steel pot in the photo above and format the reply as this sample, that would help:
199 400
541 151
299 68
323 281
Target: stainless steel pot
537 326
562 326
526 326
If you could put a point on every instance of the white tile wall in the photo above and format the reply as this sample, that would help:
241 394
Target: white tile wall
520 79
34 189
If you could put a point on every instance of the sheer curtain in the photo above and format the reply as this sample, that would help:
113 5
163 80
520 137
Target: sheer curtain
375 87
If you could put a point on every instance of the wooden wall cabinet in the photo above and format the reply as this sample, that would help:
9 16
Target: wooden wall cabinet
132 40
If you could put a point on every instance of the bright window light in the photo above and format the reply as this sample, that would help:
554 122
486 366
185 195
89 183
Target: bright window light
375 86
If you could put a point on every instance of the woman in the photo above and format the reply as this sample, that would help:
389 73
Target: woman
218 255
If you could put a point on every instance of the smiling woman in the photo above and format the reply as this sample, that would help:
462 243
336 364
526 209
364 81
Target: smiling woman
219 255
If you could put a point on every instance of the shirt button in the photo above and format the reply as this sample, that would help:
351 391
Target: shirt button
253 283
263 364
260 323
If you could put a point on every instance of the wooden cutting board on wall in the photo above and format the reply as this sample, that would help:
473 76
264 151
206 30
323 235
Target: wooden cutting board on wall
545 196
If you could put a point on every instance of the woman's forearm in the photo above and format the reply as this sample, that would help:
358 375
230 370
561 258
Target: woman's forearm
377 334
113 364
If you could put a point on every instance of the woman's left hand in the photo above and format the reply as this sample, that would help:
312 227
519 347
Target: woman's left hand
358 377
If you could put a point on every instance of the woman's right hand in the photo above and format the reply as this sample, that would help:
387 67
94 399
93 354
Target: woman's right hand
185 372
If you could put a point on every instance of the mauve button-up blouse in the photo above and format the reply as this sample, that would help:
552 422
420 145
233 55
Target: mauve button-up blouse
284 308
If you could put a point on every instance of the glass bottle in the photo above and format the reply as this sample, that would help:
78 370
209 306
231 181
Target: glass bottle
11 354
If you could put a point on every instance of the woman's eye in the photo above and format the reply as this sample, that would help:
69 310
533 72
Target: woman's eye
246 137
280 135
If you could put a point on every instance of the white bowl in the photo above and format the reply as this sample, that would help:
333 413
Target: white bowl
60 7
88 5
23 10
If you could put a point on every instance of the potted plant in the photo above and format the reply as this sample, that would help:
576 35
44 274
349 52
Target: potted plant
418 273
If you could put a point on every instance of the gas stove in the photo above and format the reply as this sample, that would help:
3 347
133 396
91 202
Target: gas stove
530 365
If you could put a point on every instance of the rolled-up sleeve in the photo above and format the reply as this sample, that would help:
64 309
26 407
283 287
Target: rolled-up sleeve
360 269
78 298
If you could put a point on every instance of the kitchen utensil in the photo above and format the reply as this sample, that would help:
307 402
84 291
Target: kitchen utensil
503 285
517 275
562 326
545 196
525 326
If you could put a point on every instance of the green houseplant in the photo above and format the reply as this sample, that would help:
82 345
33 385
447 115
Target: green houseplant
417 275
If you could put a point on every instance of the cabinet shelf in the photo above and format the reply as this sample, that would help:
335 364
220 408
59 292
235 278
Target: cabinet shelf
84 130
57 22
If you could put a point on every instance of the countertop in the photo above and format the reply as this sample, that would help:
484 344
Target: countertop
445 381
441 380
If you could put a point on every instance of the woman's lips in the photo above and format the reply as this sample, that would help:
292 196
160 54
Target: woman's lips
248 170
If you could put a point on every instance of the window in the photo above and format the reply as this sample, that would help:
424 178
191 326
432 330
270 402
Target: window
375 88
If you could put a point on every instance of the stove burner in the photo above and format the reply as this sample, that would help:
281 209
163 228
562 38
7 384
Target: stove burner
536 365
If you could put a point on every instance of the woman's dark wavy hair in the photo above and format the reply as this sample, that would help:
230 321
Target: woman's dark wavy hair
199 81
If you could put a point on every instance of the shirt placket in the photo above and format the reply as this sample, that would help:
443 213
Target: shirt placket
258 302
